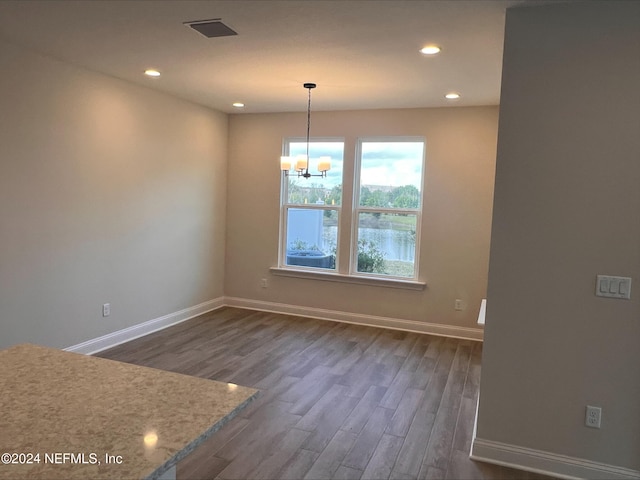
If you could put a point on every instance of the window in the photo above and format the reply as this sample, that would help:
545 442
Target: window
310 211
385 209
388 204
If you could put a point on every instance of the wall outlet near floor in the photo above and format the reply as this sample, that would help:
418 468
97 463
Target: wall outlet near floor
593 416
106 309
263 283
458 304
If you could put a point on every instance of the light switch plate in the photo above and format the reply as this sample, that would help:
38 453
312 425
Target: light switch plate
613 287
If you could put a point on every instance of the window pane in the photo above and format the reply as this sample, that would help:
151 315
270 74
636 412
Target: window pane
318 190
387 243
391 174
312 236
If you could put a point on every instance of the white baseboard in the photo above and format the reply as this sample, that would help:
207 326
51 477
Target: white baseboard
359 319
127 334
560 466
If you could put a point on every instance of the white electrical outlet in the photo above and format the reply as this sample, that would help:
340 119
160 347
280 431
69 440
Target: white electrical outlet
458 304
106 309
593 416
263 283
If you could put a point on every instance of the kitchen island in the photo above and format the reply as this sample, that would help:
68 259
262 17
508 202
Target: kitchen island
66 416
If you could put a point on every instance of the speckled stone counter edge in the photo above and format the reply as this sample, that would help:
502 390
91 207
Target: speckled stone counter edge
201 439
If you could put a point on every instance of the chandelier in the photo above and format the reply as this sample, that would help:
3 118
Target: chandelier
301 164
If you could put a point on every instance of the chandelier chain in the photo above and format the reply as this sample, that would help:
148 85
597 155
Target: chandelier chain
308 126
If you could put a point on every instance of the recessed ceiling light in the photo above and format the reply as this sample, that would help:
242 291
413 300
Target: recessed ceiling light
238 104
152 73
430 50
452 96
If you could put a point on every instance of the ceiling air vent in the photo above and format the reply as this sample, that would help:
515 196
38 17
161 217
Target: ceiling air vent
211 28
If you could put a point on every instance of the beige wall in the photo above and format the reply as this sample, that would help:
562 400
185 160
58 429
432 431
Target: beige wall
460 159
109 192
112 193
567 207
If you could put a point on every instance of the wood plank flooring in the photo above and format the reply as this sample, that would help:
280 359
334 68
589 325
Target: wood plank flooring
337 401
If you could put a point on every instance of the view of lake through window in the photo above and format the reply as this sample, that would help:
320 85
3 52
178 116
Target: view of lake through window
388 205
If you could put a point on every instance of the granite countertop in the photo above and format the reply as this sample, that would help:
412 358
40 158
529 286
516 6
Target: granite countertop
88 417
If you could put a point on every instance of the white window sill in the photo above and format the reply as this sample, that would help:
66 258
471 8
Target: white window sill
338 277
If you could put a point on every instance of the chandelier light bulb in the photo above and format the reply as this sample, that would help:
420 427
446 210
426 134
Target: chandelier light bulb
430 50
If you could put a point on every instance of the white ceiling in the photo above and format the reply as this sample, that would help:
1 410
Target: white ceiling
362 54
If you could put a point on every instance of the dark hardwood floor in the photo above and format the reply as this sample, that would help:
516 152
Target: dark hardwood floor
337 400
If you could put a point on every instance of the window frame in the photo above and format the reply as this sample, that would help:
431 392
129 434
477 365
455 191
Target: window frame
285 206
346 268
357 208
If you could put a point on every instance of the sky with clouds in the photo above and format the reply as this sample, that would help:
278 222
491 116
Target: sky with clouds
388 163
